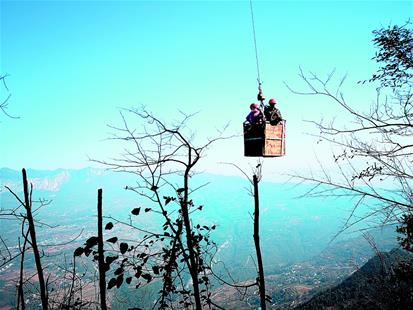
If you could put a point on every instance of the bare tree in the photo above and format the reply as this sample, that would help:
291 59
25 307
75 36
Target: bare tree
260 280
49 286
4 102
71 289
376 145
27 203
20 290
163 158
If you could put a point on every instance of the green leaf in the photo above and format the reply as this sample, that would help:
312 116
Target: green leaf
112 240
147 277
155 269
79 251
118 271
92 241
110 259
136 211
112 283
119 281
167 199
123 247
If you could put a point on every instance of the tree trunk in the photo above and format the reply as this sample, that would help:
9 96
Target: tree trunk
193 266
101 257
72 285
20 292
30 220
261 280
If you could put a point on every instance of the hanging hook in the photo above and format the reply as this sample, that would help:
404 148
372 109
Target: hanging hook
260 96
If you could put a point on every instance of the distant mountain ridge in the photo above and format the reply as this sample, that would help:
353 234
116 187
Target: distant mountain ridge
292 229
45 180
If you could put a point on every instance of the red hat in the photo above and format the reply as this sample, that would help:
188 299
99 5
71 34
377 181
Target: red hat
272 101
254 106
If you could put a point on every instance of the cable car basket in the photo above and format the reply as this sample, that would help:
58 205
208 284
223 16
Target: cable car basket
265 140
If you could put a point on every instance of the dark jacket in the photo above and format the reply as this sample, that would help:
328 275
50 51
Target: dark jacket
272 114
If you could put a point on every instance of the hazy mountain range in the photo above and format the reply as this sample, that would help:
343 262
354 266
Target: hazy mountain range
292 228
296 233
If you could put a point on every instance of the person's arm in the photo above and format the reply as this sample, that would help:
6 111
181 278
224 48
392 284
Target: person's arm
278 113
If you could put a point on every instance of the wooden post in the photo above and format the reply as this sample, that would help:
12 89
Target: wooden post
101 255
261 280
33 242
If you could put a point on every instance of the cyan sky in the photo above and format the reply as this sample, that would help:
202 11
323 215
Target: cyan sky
72 64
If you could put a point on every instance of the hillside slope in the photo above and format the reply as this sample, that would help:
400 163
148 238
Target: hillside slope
374 286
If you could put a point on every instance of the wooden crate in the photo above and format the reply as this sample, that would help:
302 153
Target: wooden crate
274 140
267 141
253 141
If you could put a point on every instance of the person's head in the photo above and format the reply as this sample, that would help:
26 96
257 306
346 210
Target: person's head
272 102
254 106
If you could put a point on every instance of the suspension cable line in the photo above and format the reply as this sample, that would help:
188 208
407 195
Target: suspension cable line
255 44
